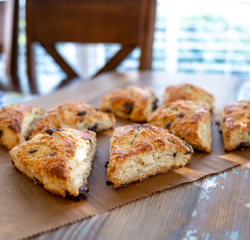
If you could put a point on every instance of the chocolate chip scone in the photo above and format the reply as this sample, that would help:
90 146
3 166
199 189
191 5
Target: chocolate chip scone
77 115
189 120
17 122
60 159
139 151
188 92
133 103
235 125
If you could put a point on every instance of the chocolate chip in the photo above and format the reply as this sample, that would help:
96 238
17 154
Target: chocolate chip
31 151
12 162
170 140
82 191
180 116
59 130
174 109
190 149
224 120
50 154
93 128
248 132
174 154
83 113
244 144
168 125
50 131
1 133
217 123
154 106
80 121
106 164
219 130
109 183
127 107
138 127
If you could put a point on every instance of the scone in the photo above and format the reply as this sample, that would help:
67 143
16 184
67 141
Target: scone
140 151
60 159
77 115
235 125
17 122
188 92
133 103
189 120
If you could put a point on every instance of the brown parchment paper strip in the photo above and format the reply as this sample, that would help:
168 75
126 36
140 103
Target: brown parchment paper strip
26 209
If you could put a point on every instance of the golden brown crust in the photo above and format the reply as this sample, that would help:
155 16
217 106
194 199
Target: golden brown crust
12 121
185 119
188 92
77 115
235 125
134 103
139 140
50 155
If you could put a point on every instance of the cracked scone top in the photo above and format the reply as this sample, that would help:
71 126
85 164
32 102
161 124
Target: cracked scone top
77 115
235 125
60 159
133 103
17 122
139 151
188 92
189 120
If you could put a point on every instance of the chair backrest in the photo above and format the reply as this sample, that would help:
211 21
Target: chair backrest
128 22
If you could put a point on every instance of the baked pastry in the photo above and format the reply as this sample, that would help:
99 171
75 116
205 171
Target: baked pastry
235 125
133 103
60 159
140 151
77 115
188 92
189 120
17 123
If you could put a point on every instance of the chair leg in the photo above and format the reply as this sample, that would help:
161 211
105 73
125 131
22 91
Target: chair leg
51 50
147 34
116 60
10 44
31 66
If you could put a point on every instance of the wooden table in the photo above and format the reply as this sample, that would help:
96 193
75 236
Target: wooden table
215 207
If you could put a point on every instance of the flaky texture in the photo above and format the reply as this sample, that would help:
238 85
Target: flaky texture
17 123
77 115
235 125
133 103
59 159
188 92
139 151
189 120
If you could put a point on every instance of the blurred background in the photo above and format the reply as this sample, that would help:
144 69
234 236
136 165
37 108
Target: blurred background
191 37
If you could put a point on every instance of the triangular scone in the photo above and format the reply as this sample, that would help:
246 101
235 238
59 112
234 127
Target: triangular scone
188 120
77 115
188 92
235 125
139 151
133 103
17 122
60 159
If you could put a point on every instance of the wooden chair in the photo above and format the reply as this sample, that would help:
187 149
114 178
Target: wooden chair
128 22
9 40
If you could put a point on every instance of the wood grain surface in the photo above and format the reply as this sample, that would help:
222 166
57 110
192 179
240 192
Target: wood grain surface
216 207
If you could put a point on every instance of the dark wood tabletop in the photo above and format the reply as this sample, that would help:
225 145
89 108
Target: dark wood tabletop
215 207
